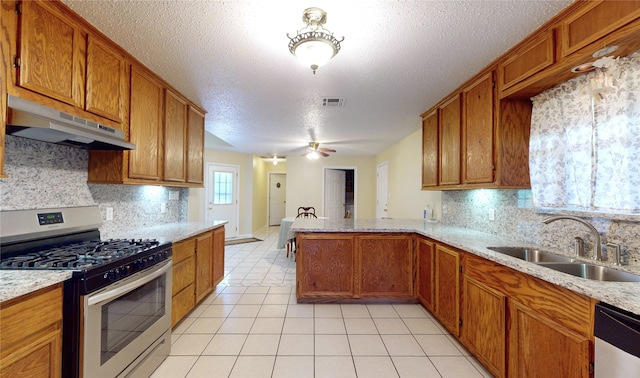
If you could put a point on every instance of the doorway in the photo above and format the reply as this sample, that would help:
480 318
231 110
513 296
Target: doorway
339 192
277 197
382 191
222 196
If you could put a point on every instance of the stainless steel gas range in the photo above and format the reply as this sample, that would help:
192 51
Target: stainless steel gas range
117 305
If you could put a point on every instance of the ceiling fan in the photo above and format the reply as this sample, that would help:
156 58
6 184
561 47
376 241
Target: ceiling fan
315 152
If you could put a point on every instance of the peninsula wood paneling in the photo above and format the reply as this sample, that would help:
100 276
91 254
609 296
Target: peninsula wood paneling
325 265
386 265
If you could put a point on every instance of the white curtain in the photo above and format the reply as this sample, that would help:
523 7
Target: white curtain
585 141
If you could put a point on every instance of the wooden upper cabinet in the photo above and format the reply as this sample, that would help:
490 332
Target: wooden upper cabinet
478 100
145 125
430 155
195 146
449 137
175 128
594 20
52 50
527 60
106 80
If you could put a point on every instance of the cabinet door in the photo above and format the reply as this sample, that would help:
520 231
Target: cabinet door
31 327
425 272
106 80
540 347
484 324
218 255
527 60
145 126
478 131
430 150
204 261
449 168
448 288
51 53
195 147
325 265
386 266
593 21
175 127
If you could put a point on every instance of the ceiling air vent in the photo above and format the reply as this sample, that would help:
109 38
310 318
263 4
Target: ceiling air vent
334 101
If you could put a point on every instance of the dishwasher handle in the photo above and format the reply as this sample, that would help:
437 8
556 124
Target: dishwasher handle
618 327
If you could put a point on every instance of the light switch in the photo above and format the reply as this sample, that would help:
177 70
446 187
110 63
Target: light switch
109 215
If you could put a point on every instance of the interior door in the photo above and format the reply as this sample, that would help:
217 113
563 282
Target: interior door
334 193
222 196
277 198
382 191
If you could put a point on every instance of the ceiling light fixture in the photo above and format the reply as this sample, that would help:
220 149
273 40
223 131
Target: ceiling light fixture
314 45
275 159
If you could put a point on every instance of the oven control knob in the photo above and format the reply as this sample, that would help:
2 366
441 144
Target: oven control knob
112 275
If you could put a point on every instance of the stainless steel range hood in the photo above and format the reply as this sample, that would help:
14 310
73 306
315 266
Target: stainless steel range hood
28 119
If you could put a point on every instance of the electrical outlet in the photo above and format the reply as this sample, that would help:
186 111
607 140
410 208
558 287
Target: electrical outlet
445 208
109 215
163 207
492 214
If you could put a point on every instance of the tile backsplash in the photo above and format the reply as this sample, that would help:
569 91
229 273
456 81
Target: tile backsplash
515 217
45 175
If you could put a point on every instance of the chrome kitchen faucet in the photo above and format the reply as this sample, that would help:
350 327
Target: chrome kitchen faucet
597 247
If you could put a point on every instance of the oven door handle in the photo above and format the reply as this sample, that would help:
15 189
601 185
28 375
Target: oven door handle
118 291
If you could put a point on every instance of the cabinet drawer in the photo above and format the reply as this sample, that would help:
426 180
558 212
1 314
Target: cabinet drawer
183 249
564 306
183 274
29 314
591 22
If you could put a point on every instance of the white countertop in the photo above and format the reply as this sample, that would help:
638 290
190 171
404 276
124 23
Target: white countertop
621 294
14 283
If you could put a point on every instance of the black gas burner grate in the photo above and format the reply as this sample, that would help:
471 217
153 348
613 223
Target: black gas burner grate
79 256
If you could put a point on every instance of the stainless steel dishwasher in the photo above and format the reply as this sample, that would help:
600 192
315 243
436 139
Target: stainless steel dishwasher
617 342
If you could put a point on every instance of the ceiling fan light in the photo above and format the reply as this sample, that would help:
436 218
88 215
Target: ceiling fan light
313 155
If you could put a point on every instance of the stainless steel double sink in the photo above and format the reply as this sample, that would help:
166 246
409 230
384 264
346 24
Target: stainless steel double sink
567 265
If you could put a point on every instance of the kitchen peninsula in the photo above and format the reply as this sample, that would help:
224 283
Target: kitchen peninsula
341 233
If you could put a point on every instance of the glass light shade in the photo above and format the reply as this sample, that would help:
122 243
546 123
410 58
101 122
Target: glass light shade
313 155
314 53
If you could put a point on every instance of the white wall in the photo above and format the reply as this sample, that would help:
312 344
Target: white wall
407 199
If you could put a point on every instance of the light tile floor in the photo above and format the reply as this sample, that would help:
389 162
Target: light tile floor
251 326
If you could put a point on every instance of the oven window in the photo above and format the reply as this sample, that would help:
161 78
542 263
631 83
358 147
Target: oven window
128 316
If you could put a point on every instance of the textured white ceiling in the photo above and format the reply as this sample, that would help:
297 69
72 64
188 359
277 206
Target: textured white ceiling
398 58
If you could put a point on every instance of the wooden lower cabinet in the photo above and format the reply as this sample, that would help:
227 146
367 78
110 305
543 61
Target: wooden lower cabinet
31 334
425 277
540 347
204 265
218 255
519 326
196 262
484 326
348 266
447 288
